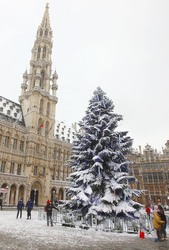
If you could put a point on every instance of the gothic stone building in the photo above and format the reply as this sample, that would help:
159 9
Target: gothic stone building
151 169
32 156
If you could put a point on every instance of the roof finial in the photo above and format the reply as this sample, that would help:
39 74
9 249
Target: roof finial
47 5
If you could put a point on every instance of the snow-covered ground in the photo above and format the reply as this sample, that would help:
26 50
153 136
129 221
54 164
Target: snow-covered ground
34 234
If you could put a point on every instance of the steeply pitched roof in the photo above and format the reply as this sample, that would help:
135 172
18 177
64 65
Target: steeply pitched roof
11 111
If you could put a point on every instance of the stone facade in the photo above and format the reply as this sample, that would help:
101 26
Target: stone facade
32 157
152 172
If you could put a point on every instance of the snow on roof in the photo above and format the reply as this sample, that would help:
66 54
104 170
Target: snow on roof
10 110
66 132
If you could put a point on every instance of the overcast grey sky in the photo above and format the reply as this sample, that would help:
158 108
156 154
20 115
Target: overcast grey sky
120 45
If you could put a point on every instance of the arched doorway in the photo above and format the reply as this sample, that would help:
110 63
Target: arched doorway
36 193
12 195
3 194
53 195
60 194
34 196
21 192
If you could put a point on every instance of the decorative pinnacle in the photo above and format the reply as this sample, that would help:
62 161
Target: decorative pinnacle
47 5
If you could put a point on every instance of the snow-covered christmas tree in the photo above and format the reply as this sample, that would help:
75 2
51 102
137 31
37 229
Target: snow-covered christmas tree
100 178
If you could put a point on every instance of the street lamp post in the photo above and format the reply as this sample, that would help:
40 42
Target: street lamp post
34 196
168 199
6 195
53 196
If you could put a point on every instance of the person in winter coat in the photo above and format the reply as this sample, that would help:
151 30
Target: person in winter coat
48 209
163 218
148 211
1 203
20 206
29 206
157 222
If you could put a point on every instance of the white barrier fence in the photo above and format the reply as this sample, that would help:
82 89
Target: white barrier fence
116 224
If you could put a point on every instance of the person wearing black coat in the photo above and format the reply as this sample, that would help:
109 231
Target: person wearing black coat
163 217
29 206
48 209
1 203
20 206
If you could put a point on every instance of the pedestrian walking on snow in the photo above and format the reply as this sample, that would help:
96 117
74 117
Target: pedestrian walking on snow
1 202
157 222
20 206
48 209
148 211
29 206
163 227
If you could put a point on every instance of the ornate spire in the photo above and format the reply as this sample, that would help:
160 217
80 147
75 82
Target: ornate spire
39 87
44 30
45 21
41 63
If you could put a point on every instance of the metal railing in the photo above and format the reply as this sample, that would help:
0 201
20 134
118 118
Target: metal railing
111 224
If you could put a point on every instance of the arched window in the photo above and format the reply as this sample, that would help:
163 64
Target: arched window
41 107
3 166
42 79
47 128
19 169
7 140
46 32
40 126
59 154
33 83
15 142
48 109
60 194
54 153
33 79
22 144
44 52
39 50
41 32
46 23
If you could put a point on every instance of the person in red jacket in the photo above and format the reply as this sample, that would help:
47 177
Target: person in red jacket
148 211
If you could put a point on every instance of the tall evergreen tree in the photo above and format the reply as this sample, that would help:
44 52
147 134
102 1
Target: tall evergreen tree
100 178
